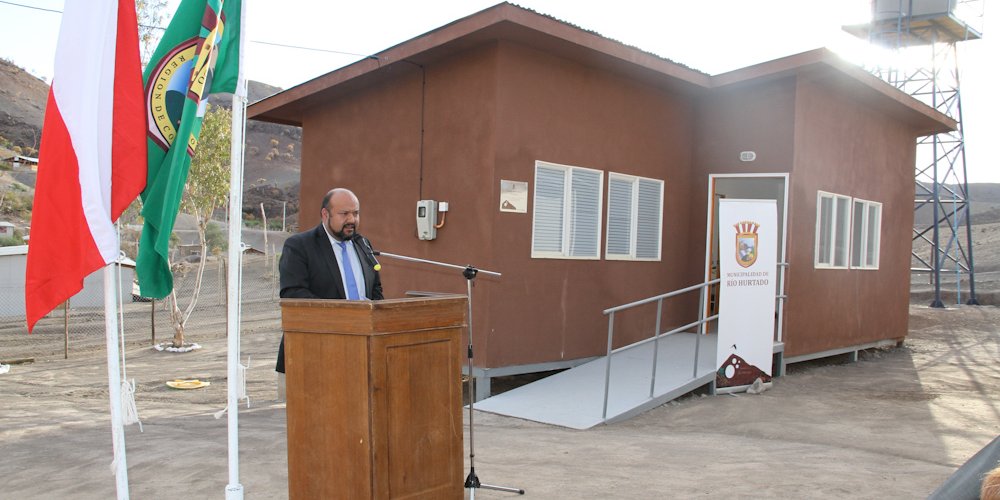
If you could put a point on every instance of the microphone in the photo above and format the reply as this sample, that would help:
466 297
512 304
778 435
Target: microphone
368 249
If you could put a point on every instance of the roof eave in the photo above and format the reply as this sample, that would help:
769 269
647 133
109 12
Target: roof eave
924 119
502 21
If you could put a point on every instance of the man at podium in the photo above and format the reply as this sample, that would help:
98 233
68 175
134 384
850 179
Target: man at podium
329 261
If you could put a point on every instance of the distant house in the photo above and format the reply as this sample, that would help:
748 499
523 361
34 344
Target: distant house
19 161
13 263
6 229
624 155
188 250
250 250
92 294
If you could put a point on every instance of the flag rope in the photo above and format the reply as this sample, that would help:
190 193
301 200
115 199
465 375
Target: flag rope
130 413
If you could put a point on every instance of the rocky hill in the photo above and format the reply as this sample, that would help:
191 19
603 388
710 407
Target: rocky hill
272 161
985 199
273 152
22 108
271 165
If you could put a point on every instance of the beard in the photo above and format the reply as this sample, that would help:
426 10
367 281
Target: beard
346 232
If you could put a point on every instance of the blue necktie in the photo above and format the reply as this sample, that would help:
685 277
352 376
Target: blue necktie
349 282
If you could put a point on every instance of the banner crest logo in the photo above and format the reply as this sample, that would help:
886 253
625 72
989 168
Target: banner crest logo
746 242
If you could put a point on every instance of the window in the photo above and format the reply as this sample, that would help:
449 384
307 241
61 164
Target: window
833 218
635 220
866 234
567 212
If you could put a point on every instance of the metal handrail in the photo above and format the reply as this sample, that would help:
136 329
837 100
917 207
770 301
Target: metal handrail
656 335
780 297
679 329
662 296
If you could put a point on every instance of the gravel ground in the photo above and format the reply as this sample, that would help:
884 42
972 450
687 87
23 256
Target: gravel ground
895 424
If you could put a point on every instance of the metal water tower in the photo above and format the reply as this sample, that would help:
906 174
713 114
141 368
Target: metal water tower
926 32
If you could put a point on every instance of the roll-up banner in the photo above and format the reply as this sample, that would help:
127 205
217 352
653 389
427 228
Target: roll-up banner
748 240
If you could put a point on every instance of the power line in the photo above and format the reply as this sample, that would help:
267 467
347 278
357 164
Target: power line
254 41
313 49
31 7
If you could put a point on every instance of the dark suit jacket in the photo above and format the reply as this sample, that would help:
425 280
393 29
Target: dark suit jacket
308 270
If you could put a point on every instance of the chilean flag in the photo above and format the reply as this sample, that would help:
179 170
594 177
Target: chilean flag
92 161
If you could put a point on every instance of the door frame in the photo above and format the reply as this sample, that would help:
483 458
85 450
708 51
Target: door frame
782 262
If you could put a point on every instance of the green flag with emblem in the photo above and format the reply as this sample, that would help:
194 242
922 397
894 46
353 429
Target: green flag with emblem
197 56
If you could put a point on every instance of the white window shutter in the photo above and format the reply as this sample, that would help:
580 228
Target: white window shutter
874 236
649 219
858 234
585 213
842 236
837 226
549 208
619 217
824 247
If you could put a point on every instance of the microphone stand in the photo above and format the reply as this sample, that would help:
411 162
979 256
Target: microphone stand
469 272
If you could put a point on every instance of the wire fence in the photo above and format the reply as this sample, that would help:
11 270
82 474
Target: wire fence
78 326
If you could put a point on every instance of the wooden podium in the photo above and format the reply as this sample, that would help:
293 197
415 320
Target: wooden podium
374 397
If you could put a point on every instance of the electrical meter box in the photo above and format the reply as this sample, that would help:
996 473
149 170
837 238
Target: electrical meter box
426 219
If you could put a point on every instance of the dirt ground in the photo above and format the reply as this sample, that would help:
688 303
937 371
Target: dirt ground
895 424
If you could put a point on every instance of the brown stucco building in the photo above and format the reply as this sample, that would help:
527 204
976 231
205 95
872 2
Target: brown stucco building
508 94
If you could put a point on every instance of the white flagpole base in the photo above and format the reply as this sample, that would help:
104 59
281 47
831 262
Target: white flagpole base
114 382
234 492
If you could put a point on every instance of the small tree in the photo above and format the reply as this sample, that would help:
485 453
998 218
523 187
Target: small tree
215 238
207 189
149 14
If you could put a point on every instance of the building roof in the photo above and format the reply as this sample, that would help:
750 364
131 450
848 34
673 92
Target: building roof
14 250
825 65
506 21
23 250
21 159
503 21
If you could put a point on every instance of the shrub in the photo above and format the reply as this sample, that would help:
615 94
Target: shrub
215 238
10 241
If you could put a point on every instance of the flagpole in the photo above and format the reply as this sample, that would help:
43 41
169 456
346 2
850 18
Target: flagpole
114 382
234 490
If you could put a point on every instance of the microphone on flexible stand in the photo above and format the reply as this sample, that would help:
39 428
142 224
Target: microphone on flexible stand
368 249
